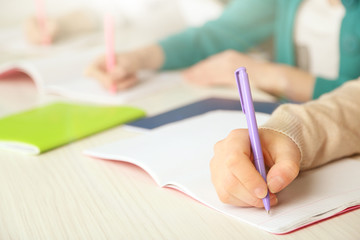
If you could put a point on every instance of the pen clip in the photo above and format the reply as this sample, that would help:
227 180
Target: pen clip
239 88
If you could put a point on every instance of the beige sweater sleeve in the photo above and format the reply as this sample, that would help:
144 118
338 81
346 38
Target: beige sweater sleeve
325 129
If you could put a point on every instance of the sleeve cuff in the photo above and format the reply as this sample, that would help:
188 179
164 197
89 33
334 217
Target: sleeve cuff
323 85
177 51
283 121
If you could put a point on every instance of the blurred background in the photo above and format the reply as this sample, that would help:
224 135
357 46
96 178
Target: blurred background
138 22
193 12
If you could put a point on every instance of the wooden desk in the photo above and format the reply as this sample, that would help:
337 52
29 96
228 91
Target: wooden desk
63 194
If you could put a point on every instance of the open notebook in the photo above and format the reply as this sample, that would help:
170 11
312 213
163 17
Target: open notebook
63 74
177 155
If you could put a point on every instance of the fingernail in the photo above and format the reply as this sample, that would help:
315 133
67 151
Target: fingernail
274 199
260 192
275 184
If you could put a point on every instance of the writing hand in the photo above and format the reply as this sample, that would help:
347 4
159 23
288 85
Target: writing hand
233 173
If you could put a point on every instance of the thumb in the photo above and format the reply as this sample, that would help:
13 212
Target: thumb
282 173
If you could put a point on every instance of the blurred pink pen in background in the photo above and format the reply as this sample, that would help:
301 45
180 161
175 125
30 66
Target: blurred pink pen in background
41 18
110 45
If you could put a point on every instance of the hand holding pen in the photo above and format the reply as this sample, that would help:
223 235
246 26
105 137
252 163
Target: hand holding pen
235 176
247 107
126 66
40 30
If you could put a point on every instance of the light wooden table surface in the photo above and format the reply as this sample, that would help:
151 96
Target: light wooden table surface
63 194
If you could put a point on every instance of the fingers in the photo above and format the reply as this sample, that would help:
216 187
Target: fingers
217 69
211 71
196 75
126 82
117 79
283 157
37 33
245 172
233 174
110 81
235 193
241 166
97 70
282 173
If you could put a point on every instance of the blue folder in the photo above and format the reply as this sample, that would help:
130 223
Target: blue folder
197 108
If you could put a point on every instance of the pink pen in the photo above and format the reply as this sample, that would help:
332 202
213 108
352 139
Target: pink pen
248 109
110 45
40 15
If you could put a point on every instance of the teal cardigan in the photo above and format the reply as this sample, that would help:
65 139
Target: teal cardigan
247 23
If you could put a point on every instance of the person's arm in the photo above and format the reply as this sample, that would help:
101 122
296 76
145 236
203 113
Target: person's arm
124 75
325 129
277 79
286 82
243 24
238 28
296 84
296 137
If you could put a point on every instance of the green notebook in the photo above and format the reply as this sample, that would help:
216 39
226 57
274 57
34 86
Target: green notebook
44 128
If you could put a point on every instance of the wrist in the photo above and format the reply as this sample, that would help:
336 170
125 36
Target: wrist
276 82
298 84
290 82
151 57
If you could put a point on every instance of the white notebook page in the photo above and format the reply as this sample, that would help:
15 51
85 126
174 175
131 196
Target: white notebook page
178 154
64 74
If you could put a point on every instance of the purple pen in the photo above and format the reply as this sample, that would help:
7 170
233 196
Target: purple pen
248 108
